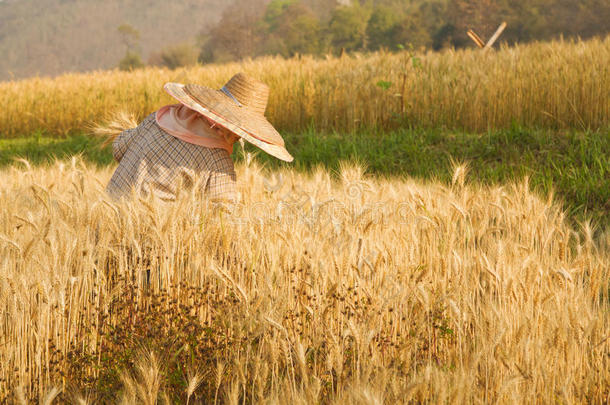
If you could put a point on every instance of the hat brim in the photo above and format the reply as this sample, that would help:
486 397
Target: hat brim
177 91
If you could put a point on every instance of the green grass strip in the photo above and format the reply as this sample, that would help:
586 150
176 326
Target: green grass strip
574 164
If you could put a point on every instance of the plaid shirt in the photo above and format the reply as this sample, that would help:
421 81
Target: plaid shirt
153 161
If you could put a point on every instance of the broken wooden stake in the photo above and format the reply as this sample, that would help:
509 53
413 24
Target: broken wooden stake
477 40
496 35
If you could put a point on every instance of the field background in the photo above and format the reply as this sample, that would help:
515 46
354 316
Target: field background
347 290
83 36
556 85
442 237
540 110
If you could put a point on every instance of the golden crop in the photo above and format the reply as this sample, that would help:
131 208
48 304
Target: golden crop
561 84
314 289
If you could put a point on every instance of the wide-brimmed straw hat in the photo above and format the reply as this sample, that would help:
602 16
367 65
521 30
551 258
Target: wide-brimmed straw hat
239 107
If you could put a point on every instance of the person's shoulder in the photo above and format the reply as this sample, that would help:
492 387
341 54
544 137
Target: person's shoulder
219 160
149 128
149 121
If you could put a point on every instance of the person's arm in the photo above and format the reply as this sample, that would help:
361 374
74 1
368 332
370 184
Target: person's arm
121 143
222 186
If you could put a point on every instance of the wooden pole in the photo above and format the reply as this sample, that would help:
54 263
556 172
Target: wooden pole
495 36
477 40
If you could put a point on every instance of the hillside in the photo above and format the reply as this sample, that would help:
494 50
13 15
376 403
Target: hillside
320 27
48 37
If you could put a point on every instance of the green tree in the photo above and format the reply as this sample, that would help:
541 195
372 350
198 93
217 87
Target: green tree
175 56
412 31
131 61
433 16
274 13
237 35
130 37
322 8
291 28
380 27
348 26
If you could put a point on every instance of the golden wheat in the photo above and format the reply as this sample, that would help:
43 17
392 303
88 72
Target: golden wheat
347 289
561 84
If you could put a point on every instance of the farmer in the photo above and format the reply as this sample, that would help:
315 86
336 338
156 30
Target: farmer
189 144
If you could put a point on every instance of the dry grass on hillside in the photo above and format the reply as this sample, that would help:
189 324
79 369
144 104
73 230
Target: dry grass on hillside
549 85
347 290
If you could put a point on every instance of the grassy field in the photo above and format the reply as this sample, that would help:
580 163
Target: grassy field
553 85
574 166
464 259
350 289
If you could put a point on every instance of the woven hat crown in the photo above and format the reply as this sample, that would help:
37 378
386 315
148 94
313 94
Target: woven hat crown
238 107
249 92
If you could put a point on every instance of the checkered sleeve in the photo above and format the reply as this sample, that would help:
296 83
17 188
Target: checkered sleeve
221 185
121 143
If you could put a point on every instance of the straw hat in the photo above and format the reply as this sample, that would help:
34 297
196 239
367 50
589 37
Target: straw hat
239 107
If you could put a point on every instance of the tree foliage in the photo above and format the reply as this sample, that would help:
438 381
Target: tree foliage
347 28
289 27
381 25
131 61
175 56
130 37
238 33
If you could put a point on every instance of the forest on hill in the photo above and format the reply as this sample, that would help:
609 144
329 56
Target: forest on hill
289 27
50 37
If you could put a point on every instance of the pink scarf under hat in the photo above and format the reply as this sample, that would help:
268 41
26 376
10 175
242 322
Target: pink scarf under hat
190 126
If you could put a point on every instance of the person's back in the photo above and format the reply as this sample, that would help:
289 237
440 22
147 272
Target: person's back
189 145
153 161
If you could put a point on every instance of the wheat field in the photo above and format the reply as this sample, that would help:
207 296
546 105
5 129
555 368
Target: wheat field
556 85
316 288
